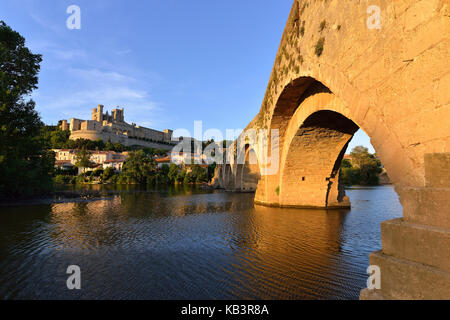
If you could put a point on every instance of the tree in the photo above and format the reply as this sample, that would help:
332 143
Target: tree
98 172
54 138
211 171
107 173
25 164
109 146
364 168
182 175
173 173
360 156
139 166
346 164
83 159
198 174
165 169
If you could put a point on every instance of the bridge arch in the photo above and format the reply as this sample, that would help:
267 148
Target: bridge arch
310 165
248 173
300 140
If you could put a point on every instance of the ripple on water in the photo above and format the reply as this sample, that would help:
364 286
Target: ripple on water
188 244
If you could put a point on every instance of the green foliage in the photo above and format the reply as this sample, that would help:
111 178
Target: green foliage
97 172
113 179
158 179
198 174
67 172
187 178
364 169
83 159
62 179
54 138
19 67
211 171
26 166
277 190
173 173
350 176
80 179
139 166
318 49
124 179
346 163
107 174
182 175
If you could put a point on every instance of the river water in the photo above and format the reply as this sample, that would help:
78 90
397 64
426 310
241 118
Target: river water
189 243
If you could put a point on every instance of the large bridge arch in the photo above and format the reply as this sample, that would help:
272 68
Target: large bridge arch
394 83
314 142
314 154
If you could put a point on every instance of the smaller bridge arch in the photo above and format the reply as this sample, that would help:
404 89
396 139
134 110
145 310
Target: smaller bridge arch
248 173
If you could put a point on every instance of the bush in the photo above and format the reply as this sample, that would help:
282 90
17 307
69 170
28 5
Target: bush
198 174
107 174
318 49
211 171
350 176
188 178
158 179
81 179
62 179
97 172
124 179
114 178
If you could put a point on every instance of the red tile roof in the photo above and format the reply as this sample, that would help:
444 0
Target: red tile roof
163 160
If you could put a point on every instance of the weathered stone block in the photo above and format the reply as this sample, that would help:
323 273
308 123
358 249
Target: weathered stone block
418 243
437 170
427 206
403 279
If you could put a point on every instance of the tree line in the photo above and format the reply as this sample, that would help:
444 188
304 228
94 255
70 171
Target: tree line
139 168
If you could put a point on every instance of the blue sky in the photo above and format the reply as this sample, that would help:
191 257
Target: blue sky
168 63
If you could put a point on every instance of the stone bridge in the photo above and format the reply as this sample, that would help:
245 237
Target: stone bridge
337 71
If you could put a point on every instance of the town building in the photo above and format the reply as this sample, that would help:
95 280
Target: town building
66 159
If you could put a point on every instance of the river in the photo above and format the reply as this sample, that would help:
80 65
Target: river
190 243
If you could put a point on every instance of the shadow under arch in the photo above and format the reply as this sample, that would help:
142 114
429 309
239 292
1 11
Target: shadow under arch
310 174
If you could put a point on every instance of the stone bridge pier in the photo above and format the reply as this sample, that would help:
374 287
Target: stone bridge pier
334 75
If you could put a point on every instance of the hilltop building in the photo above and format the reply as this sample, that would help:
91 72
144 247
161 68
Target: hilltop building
112 127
